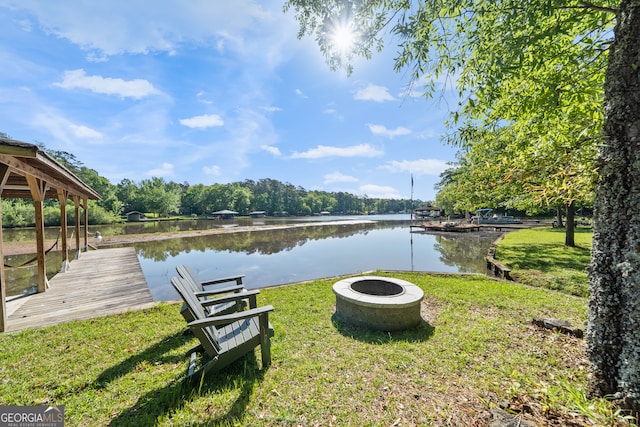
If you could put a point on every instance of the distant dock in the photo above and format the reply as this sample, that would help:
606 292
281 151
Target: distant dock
452 228
465 228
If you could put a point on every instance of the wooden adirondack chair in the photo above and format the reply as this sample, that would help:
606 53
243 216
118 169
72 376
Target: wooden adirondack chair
220 306
187 272
225 338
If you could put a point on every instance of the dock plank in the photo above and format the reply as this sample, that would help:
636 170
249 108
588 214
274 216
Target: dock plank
101 282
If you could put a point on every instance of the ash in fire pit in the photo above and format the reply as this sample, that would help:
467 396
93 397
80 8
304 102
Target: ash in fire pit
380 303
378 287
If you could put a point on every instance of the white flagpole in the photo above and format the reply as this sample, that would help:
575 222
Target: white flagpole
411 222
411 198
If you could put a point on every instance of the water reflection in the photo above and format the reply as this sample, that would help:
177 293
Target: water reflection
21 274
467 254
21 271
262 242
284 255
289 255
51 233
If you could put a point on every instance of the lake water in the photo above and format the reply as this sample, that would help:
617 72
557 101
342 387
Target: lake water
342 245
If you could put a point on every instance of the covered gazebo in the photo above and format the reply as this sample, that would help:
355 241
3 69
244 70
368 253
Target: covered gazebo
26 171
225 214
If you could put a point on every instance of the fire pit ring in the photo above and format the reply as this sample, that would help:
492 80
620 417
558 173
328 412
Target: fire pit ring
380 303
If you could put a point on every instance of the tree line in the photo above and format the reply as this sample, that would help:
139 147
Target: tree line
265 195
165 198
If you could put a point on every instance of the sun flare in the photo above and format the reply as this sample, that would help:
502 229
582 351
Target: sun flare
343 38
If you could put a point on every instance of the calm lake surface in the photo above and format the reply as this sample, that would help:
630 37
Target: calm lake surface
316 247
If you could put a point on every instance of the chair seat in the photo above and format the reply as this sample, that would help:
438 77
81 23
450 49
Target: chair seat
238 333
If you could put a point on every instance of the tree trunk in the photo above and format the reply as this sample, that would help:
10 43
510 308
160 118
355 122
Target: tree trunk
569 234
559 216
613 330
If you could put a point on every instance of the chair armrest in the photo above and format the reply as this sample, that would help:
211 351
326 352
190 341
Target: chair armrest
237 279
229 318
230 298
224 290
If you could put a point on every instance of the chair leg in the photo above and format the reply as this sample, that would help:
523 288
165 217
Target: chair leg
265 341
196 374
192 364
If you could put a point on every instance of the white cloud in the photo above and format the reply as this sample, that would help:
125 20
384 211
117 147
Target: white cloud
271 149
201 98
26 25
63 130
78 79
114 27
427 134
334 113
212 170
389 133
380 191
248 132
85 132
301 94
334 177
374 93
362 150
165 170
204 121
418 167
271 109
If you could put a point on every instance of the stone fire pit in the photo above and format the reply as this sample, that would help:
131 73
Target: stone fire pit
380 303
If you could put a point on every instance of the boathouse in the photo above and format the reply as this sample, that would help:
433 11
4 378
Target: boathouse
428 211
224 214
135 216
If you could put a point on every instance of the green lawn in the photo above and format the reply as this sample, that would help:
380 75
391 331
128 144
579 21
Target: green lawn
538 257
478 351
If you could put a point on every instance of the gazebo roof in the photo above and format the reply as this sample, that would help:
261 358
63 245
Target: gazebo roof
225 212
25 159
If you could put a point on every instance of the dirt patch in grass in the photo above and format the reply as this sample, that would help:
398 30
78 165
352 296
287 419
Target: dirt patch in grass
429 309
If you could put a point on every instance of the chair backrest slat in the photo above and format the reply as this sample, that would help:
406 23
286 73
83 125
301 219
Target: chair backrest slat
210 333
189 278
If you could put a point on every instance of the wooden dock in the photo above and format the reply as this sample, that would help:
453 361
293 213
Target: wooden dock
458 228
441 227
100 282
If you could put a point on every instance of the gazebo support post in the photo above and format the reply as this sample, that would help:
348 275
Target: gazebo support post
85 207
76 205
38 190
63 195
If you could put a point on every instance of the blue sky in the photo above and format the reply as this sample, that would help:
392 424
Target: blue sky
207 92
